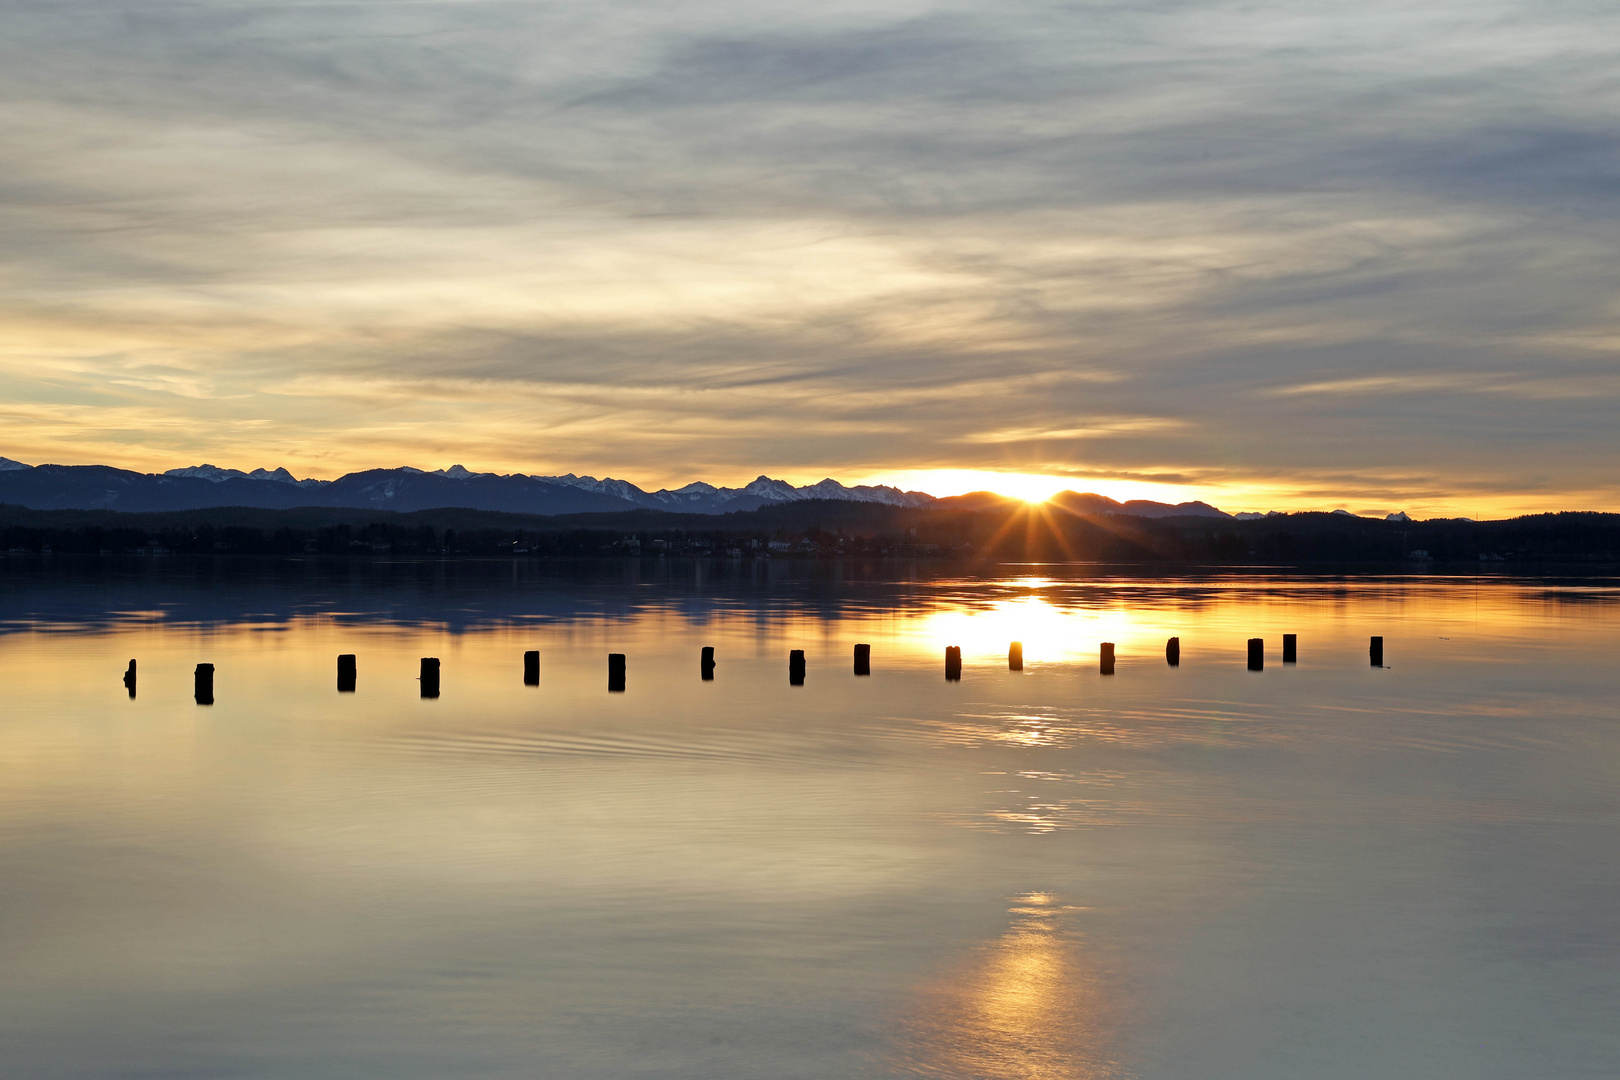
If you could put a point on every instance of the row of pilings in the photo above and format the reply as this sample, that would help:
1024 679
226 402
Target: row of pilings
428 675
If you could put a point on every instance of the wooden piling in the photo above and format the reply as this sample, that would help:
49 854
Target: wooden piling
616 670
953 663
129 679
1015 656
346 673
1172 652
707 663
429 676
1106 659
796 667
863 659
1290 648
531 668
1376 652
203 684
1257 654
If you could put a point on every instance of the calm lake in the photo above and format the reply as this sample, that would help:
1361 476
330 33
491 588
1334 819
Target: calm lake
1323 869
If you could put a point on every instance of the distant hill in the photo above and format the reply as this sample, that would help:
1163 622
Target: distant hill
1084 505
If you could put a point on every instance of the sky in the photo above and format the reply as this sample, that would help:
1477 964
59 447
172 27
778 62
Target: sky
1270 255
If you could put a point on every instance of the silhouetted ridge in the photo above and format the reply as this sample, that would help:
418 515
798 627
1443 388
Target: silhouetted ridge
1086 505
403 490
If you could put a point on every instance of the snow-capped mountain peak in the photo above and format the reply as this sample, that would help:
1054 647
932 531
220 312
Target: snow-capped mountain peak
218 475
205 472
704 498
774 490
622 489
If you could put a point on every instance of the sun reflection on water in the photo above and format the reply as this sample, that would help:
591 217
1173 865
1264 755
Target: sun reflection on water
1049 633
1024 1007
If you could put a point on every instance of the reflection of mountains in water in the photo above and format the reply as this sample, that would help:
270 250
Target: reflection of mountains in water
1026 1006
468 595
87 593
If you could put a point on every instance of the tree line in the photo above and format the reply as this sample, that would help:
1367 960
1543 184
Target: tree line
1011 533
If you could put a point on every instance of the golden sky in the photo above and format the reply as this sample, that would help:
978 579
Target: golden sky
1273 256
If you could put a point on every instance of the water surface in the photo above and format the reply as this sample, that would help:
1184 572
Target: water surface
1322 869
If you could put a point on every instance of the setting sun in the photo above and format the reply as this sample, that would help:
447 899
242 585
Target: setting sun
1032 487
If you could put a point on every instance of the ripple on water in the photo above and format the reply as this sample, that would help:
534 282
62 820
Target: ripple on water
737 747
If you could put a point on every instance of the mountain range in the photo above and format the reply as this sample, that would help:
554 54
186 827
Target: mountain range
404 489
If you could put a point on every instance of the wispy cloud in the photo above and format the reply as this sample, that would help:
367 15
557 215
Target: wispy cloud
1545 386
1099 428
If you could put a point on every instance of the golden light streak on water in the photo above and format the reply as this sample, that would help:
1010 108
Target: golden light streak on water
1025 1007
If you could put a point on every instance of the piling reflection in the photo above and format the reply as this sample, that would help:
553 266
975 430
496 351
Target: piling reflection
1027 1006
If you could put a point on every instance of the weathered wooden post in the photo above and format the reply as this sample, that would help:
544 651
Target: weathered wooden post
1290 648
1376 652
1107 658
863 659
1015 656
531 668
203 684
953 663
616 668
1172 652
1257 654
430 676
707 663
347 671
129 679
796 667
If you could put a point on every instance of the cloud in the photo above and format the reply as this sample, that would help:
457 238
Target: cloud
1100 427
1246 245
1549 386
